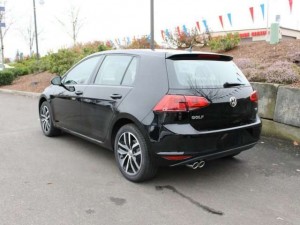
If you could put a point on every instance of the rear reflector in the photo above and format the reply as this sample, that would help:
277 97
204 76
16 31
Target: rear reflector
254 96
176 157
180 103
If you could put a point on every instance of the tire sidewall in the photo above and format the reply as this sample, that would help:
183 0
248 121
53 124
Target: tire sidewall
52 128
145 158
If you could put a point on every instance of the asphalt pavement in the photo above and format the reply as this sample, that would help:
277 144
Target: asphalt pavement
68 181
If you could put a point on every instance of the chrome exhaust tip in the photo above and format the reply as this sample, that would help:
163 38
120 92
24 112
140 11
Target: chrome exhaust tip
196 165
193 165
201 164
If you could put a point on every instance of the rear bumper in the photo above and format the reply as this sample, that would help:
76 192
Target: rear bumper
179 140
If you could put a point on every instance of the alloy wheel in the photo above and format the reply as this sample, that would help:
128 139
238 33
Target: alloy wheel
129 153
45 119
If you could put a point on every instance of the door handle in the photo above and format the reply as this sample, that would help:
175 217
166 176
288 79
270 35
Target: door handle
116 96
78 92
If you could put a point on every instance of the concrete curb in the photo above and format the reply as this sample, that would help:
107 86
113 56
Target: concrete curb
22 93
279 130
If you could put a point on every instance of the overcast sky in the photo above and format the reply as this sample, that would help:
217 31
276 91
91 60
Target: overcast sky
104 20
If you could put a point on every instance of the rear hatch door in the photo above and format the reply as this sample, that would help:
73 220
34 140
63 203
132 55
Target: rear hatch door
232 101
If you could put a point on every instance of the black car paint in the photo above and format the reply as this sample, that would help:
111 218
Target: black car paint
165 132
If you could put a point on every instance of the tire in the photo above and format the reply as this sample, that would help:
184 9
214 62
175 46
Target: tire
132 154
46 120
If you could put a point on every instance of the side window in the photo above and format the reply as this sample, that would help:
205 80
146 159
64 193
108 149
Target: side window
81 73
113 69
130 73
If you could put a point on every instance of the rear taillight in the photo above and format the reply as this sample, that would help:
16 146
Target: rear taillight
180 103
254 96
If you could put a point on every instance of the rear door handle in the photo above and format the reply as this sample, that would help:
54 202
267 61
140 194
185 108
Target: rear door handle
78 92
116 96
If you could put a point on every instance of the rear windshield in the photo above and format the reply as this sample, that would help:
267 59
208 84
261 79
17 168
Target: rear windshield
204 74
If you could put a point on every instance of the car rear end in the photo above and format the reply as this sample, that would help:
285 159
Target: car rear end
209 112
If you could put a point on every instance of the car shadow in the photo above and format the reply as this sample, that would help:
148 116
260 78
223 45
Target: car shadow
213 170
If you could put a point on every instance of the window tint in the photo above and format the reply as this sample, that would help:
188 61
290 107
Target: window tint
130 73
204 73
113 69
81 73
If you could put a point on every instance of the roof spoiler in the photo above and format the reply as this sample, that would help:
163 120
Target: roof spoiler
201 56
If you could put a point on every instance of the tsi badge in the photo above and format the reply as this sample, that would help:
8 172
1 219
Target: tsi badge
200 117
233 101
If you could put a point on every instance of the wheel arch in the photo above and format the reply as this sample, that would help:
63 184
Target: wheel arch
42 99
122 121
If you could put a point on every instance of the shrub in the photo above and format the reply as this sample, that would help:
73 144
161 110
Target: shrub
19 71
224 43
244 63
183 40
281 72
6 77
63 60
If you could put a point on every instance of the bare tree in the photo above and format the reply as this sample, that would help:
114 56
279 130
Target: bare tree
5 29
29 36
75 21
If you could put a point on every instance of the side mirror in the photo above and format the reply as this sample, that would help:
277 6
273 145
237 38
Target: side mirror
56 81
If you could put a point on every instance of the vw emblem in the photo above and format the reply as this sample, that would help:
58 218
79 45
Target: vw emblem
233 102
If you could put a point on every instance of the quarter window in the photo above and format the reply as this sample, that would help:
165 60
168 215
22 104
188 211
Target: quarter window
81 73
113 69
130 73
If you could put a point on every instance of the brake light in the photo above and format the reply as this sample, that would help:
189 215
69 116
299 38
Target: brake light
254 96
180 103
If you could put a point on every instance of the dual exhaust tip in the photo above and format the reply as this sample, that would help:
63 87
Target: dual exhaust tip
196 165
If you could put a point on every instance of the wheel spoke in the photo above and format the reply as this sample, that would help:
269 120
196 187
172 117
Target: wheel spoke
137 153
135 145
127 165
121 151
129 141
123 146
123 160
131 165
135 163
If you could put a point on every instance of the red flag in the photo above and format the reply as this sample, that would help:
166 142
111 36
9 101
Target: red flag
198 25
221 21
252 13
163 34
291 5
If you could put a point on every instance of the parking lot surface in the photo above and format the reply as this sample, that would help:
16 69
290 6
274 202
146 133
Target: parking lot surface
68 181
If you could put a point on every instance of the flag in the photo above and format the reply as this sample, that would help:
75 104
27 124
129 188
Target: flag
221 21
184 30
205 25
229 18
167 33
198 25
2 8
252 13
291 5
262 7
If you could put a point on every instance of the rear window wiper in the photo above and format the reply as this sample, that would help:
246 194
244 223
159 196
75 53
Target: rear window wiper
226 85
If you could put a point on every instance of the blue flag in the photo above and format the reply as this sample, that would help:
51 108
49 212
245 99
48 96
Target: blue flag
262 7
205 25
229 18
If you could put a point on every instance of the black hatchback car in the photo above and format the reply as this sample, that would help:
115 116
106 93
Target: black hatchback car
155 108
